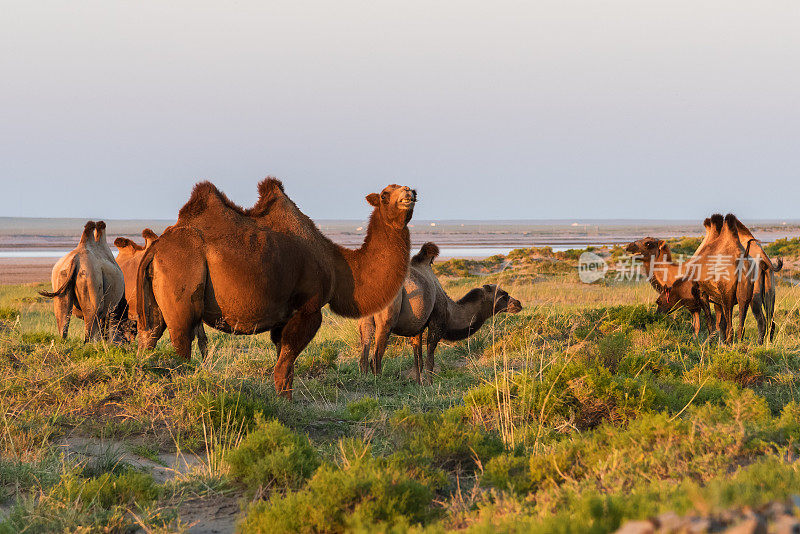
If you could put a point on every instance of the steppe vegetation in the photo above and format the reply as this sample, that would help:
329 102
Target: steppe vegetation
585 410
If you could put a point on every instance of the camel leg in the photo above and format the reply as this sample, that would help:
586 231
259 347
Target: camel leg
758 312
416 345
202 340
696 323
149 338
742 316
63 310
382 332
299 330
434 336
727 313
707 313
275 336
366 330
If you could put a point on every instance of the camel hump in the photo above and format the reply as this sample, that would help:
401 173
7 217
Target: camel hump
733 224
717 221
123 242
270 190
204 194
269 187
100 226
149 237
88 231
426 254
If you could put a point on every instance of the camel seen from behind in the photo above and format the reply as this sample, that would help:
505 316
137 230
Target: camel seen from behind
88 282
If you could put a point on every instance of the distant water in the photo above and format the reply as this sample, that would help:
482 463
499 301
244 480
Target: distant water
32 253
445 252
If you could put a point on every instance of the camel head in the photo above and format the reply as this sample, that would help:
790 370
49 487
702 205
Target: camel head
673 297
426 254
647 247
499 301
395 204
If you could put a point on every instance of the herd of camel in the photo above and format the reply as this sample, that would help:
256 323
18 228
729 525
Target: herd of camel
266 268
269 268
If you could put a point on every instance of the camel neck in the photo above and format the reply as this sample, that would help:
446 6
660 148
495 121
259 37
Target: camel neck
463 319
660 269
371 276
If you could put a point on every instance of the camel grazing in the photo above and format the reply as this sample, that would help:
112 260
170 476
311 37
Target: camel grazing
421 305
686 294
222 265
86 283
664 275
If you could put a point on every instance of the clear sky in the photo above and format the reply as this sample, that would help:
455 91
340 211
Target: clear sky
491 109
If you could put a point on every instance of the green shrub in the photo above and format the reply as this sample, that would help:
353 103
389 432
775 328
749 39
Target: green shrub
319 357
740 368
444 440
363 408
366 494
107 490
8 314
784 247
271 455
38 337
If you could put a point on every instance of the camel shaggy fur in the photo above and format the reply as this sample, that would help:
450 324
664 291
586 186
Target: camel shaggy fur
222 265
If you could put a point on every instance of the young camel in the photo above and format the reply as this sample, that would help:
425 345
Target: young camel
221 266
664 275
87 284
421 305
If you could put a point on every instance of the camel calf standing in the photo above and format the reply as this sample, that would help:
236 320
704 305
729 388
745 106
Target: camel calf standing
422 304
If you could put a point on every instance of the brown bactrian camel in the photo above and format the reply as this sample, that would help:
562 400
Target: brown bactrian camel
686 294
423 305
221 264
663 274
129 256
721 268
87 283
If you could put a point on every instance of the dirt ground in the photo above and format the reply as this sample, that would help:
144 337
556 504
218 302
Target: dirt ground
25 270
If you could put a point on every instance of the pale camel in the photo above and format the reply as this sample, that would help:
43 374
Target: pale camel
220 265
423 305
84 282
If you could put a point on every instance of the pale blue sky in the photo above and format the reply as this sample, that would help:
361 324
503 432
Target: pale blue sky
493 110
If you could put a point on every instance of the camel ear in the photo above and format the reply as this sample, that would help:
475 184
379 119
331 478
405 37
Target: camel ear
374 199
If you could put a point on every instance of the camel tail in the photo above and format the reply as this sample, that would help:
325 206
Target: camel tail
426 254
778 265
68 284
145 299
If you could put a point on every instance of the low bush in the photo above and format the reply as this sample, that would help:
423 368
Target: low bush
272 456
366 494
